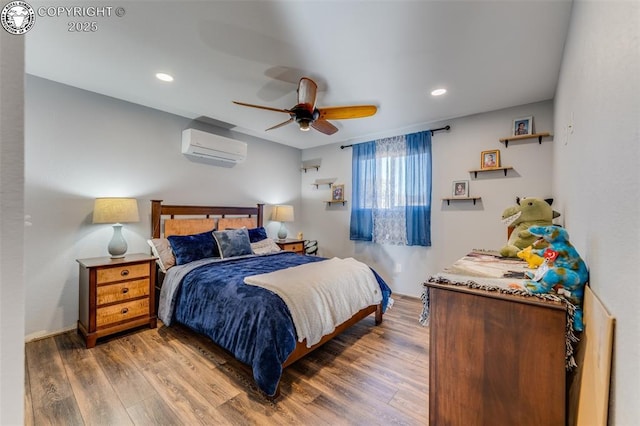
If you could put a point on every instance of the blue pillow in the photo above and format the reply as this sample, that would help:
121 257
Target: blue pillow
187 248
257 234
233 242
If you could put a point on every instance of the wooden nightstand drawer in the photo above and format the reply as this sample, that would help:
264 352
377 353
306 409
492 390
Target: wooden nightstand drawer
297 247
124 272
122 291
121 312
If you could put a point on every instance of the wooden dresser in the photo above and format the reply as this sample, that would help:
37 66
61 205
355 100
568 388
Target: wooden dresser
115 295
495 359
294 245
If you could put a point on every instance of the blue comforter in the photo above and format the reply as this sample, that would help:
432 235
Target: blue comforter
251 322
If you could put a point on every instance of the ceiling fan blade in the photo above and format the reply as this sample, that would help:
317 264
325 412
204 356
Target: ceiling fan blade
284 123
324 126
307 89
345 112
262 107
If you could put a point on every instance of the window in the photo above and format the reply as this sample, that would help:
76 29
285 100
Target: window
391 180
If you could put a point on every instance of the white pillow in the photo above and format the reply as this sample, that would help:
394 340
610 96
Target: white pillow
162 251
265 246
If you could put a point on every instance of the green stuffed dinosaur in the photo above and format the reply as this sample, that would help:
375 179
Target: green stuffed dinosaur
529 211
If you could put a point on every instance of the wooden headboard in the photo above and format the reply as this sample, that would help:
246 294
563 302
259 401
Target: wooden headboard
159 210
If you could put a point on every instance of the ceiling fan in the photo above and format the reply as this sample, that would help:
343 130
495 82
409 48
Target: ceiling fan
307 115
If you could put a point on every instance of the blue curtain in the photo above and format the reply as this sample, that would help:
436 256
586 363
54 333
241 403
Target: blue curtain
417 181
363 192
418 184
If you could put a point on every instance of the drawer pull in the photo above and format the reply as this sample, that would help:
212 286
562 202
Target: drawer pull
125 290
124 311
124 272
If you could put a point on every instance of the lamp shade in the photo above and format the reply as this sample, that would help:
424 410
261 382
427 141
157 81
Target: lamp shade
115 210
282 214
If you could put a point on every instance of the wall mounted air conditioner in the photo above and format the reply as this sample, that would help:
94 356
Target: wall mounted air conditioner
205 145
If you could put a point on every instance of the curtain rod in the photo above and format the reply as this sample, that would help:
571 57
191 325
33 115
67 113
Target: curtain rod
447 127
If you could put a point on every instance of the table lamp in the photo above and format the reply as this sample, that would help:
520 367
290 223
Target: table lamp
116 210
282 214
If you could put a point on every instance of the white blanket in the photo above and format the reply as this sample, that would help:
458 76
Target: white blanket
322 295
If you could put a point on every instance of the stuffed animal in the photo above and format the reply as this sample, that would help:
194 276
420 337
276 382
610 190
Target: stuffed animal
563 271
528 212
533 260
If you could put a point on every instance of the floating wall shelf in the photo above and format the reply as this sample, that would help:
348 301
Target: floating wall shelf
312 166
336 202
493 169
474 199
326 181
521 137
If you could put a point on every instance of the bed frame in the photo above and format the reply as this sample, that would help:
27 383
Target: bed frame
159 210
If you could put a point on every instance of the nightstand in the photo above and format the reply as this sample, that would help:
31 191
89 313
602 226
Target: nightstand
290 244
116 295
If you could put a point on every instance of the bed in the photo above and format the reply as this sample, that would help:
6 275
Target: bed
256 306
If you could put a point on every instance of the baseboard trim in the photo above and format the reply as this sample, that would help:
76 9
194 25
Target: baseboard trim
404 296
32 337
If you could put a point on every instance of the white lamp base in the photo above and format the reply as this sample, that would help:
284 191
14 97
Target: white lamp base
117 246
282 233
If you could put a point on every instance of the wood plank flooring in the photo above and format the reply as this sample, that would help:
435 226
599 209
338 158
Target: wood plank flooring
171 376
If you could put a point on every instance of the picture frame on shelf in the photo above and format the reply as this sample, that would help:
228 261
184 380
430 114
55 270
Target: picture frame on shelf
522 126
337 192
460 189
490 159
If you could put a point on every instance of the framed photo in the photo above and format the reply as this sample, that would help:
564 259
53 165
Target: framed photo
460 189
523 126
337 193
490 159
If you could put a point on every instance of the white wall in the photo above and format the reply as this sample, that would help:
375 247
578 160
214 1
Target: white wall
81 145
11 229
456 228
597 172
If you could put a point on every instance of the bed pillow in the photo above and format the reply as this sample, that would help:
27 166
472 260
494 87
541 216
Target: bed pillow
265 246
162 251
187 248
233 242
257 234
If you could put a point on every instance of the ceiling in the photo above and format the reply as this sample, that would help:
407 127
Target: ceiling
488 55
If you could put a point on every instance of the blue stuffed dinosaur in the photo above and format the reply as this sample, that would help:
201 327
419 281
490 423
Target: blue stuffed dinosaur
563 271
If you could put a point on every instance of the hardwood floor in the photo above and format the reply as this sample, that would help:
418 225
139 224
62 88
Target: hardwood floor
172 376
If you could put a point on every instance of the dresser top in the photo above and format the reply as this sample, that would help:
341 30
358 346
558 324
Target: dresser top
486 273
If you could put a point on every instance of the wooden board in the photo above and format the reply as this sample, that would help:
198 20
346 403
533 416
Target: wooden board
187 226
589 390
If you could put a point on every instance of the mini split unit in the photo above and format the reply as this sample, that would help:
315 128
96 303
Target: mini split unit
205 145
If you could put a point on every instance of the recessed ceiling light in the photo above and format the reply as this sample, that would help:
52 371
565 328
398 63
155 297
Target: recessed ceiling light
164 77
438 92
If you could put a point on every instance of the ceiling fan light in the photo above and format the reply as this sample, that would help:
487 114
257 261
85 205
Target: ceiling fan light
304 126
